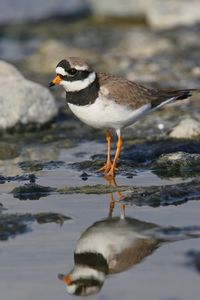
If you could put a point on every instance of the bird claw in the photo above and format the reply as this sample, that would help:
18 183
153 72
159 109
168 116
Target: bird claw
106 168
110 173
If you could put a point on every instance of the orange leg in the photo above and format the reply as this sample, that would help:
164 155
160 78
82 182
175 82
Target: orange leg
111 172
108 163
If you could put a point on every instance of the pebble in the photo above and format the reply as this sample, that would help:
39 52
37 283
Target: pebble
187 128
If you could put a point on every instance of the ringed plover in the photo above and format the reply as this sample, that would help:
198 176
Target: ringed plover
106 101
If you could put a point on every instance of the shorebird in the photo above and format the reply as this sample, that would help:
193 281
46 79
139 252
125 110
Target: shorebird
106 101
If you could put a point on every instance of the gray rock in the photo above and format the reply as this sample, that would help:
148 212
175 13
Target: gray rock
167 14
47 56
120 8
187 128
178 159
21 10
158 13
178 164
22 101
156 196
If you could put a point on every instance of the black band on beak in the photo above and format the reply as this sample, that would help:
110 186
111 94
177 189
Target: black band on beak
51 84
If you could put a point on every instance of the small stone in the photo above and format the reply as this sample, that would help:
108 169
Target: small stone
48 217
178 164
84 176
32 191
8 150
187 129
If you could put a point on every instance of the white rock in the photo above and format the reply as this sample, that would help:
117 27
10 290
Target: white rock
158 13
188 128
170 13
119 8
23 101
8 72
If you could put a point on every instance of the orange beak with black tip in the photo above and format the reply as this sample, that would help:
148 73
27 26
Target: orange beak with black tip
65 278
55 81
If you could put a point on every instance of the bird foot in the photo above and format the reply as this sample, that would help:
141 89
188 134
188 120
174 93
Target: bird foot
111 172
106 168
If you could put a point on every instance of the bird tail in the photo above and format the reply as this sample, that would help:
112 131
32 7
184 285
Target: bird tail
183 94
165 97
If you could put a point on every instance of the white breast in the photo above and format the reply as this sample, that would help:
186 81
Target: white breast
107 240
104 113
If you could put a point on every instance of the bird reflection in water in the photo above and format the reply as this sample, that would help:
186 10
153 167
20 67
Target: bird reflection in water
111 246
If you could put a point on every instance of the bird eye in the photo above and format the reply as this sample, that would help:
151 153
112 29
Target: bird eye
72 71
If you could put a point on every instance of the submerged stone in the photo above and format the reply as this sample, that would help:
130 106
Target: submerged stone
8 150
91 189
43 218
178 164
32 191
147 152
163 195
14 224
23 177
35 165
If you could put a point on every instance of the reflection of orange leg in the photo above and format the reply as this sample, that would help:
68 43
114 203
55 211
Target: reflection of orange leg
111 172
108 163
112 205
111 181
121 196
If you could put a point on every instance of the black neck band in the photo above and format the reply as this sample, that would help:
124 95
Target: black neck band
85 96
92 260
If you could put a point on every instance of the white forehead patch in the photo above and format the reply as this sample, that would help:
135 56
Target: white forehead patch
77 85
81 68
61 71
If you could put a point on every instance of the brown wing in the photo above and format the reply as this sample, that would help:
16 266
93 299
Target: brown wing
136 95
134 255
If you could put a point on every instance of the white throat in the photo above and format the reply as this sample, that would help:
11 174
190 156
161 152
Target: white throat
80 271
75 86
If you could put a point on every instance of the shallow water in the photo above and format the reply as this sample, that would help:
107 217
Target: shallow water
30 262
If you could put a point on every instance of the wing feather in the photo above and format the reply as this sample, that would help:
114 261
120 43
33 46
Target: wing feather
135 95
